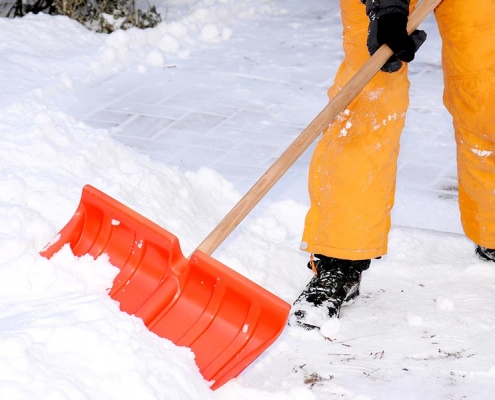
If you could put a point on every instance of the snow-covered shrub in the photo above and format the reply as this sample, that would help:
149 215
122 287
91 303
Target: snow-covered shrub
99 15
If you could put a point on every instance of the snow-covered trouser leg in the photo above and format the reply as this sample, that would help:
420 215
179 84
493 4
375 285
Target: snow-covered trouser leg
468 37
353 169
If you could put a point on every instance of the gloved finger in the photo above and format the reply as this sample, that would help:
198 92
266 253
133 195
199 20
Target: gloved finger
411 46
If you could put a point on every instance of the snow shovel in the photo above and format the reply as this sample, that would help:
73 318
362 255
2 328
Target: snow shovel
226 319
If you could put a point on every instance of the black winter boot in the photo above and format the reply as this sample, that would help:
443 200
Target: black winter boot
485 254
335 283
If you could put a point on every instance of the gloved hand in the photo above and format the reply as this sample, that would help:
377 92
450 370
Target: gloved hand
391 29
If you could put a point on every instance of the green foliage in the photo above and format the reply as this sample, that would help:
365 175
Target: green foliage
19 8
108 15
98 15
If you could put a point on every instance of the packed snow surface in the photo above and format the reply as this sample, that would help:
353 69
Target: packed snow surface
421 329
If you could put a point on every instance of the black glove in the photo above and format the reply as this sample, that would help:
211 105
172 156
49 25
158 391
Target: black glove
390 29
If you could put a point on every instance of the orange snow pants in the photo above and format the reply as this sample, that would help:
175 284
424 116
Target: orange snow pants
353 168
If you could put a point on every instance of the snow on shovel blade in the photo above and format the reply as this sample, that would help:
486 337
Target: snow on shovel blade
226 319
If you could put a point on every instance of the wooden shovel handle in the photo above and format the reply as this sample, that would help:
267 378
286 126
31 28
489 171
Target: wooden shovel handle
308 135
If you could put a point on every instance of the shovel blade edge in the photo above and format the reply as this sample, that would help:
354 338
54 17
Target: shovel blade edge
226 319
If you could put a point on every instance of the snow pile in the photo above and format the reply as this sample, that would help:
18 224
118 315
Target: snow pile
56 313
61 335
61 62
80 56
183 29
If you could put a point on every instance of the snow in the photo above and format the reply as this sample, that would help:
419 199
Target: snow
422 326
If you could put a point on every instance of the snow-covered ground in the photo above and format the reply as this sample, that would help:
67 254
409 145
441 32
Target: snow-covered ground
421 328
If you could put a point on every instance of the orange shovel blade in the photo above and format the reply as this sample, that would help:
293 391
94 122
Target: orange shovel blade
226 319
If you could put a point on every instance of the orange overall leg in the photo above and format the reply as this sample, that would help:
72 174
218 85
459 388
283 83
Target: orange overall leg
468 36
353 169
